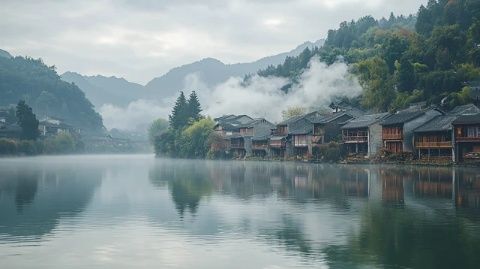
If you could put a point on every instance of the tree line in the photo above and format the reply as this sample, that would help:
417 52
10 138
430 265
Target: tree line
188 134
27 142
433 56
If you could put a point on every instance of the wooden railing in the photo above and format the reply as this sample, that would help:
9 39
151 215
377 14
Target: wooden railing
358 139
259 146
467 139
277 144
442 144
397 136
237 145
300 144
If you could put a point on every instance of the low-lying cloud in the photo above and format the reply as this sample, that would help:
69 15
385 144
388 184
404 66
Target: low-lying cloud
137 116
261 97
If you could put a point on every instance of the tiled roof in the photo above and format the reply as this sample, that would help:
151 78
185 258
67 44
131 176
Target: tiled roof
328 117
302 126
291 120
439 123
365 121
402 117
465 109
467 119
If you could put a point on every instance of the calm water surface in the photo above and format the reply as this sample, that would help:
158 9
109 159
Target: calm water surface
141 212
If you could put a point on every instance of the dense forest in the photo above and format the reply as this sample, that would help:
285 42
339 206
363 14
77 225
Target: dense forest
433 56
41 88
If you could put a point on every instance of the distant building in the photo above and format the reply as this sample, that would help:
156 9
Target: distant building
363 136
434 139
467 138
397 129
53 126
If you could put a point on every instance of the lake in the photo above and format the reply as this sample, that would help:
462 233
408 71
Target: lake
136 211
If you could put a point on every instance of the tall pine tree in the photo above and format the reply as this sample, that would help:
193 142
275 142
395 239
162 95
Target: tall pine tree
194 107
27 120
179 118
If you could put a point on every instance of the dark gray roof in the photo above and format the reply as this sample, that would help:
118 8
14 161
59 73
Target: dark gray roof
437 124
322 119
291 120
365 121
402 117
232 122
465 109
262 131
302 126
468 119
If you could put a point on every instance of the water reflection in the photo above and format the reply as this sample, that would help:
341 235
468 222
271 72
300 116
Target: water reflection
208 214
33 199
401 216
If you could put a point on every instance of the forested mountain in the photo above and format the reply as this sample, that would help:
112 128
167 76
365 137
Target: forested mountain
212 71
5 54
428 57
40 86
106 90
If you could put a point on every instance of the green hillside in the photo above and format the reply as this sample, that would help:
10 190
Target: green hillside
41 87
431 56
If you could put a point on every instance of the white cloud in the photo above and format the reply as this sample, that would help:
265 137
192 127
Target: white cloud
263 96
138 115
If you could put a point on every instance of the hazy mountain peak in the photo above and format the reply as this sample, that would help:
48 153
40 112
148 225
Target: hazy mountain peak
5 54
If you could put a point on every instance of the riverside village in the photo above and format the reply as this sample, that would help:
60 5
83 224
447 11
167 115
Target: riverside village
417 134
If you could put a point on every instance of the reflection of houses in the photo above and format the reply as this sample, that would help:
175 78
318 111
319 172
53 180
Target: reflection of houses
467 138
362 136
392 186
397 129
433 183
467 189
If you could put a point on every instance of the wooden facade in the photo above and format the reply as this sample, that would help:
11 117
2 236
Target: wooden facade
467 140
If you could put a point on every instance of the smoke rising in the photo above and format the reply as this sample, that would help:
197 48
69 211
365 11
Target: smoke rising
261 97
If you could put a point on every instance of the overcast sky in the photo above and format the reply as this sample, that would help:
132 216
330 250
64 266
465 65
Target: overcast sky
141 39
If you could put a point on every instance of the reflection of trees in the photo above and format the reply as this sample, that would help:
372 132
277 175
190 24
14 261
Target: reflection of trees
33 200
406 238
26 189
188 182
290 235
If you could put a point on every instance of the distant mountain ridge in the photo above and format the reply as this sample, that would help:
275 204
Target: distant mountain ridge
5 54
102 90
212 71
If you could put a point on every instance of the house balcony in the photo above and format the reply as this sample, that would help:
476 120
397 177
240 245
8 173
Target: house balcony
355 139
442 144
237 145
259 146
277 144
467 139
300 144
397 136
